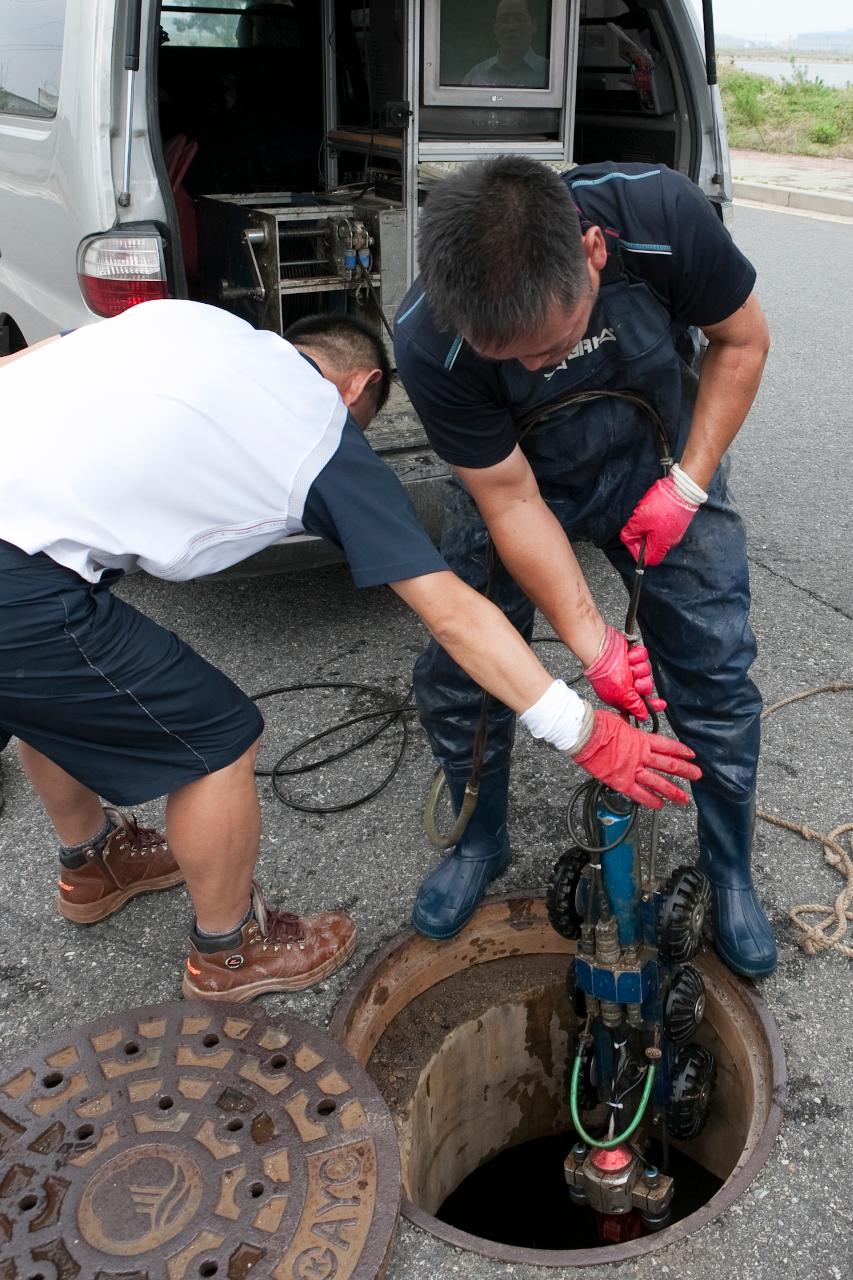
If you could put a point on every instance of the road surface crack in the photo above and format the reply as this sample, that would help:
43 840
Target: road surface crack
798 586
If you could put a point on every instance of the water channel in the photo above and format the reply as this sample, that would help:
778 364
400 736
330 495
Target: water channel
835 74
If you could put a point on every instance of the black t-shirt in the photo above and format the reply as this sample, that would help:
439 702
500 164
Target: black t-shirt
358 503
670 239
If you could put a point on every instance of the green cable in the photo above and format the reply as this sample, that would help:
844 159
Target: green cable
623 1137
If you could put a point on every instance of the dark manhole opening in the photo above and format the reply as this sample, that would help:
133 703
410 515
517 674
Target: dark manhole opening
520 1197
469 1043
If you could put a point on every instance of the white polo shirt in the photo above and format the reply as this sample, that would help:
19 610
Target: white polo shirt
173 438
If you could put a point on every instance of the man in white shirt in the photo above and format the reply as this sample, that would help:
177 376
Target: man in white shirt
177 439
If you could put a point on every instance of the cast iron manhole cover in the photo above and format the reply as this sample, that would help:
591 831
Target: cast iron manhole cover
188 1139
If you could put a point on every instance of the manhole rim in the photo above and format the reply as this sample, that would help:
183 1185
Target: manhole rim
732 1189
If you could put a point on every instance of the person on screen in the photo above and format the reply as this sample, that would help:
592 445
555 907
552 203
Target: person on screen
515 64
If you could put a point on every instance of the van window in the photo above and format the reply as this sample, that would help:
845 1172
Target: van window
226 82
244 24
30 56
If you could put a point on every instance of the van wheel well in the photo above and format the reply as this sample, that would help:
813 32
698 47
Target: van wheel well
11 338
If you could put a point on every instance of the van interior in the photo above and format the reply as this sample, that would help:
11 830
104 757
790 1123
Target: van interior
248 122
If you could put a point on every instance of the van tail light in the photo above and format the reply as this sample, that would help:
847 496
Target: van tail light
119 270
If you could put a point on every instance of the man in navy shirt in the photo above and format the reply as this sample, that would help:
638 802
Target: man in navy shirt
537 291
232 439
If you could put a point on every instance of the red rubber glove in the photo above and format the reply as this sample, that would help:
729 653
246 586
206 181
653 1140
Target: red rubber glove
624 758
623 676
661 517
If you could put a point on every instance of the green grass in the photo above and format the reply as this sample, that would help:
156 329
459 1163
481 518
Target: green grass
794 116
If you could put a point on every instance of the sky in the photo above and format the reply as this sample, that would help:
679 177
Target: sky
776 19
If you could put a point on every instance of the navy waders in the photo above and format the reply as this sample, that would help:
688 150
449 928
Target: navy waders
593 463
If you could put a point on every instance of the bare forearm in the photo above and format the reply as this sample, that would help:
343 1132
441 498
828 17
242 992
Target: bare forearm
730 377
477 635
480 638
539 556
533 547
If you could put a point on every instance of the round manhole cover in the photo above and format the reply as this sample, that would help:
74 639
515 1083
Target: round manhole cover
185 1140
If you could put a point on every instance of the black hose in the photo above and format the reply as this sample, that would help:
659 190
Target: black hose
396 712
392 713
591 792
541 415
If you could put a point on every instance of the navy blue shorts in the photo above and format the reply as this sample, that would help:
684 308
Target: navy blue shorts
117 701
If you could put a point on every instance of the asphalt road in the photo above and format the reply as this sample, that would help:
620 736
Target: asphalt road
792 478
793 458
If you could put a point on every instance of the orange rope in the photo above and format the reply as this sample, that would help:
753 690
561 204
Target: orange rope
830 929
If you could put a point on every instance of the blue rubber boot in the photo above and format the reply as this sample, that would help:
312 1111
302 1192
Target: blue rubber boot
742 933
449 896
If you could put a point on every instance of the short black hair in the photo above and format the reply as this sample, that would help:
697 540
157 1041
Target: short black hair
347 344
499 241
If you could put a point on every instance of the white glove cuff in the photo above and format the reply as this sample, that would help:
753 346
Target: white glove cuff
558 717
687 489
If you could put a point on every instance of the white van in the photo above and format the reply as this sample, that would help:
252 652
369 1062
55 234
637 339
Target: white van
270 156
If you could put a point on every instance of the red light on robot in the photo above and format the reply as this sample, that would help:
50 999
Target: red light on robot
612 1161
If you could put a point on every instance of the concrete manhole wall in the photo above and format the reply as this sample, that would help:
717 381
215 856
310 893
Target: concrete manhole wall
489 1083
468 1042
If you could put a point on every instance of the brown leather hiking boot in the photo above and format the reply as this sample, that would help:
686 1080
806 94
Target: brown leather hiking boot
274 951
134 860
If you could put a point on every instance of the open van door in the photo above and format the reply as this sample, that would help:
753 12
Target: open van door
270 156
721 178
295 140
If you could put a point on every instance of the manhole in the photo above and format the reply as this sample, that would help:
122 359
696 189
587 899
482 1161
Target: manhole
188 1140
468 1042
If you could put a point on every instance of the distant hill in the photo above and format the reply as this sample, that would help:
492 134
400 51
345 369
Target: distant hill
826 41
838 43
725 41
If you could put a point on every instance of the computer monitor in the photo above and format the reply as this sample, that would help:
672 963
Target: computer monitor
493 67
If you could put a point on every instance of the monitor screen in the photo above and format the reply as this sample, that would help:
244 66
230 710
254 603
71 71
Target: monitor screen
494 52
495 43
493 68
